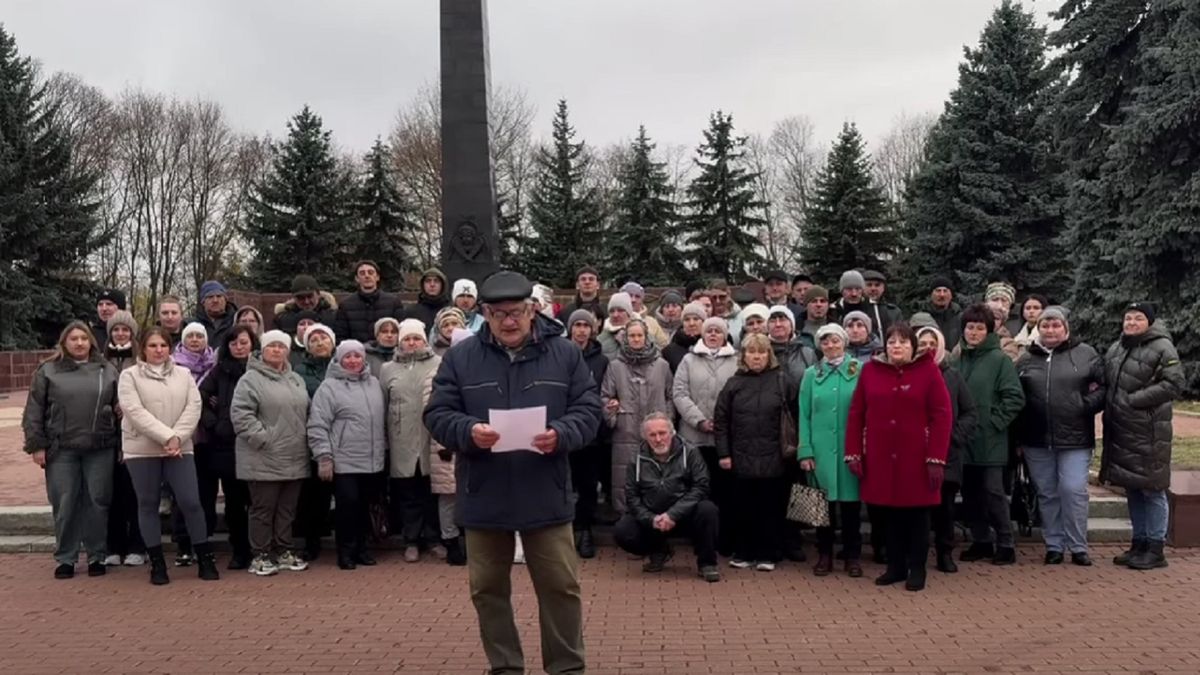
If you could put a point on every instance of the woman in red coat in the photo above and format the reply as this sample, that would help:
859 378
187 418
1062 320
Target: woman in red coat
897 438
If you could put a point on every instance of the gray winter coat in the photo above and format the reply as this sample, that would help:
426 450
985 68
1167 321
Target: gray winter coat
699 379
70 405
346 421
408 383
270 416
1144 376
641 389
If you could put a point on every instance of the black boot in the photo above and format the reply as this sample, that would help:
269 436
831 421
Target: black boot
1149 558
207 561
345 559
945 562
978 552
363 557
239 561
1135 547
158 566
916 579
584 544
456 553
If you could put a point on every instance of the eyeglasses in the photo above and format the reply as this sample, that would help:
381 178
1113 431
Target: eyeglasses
504 315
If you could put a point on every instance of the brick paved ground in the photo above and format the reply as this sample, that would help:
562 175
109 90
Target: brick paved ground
418 619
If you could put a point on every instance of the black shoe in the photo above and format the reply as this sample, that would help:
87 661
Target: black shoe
1150 558
64 571
977 552
1054 558
365 559
710 573
585 545
1135 547
239 561
345 561
312 550
1081 558
456 553
657 562
207 562
915 582
1005 555
879 557
888 578
945 562
96 569
158 566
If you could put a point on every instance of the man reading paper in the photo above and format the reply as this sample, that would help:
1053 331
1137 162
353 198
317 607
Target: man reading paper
518 360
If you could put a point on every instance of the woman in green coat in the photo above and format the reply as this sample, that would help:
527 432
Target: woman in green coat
996 390
825 395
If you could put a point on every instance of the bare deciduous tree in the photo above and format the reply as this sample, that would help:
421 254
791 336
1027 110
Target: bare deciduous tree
901 152
797 159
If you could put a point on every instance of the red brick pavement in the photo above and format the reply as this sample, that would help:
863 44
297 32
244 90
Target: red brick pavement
418 619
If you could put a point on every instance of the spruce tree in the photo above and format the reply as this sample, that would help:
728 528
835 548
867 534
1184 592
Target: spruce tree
564 212
385 228
724 209
641 242
1128 122
48 223
848 224
300 219
987 203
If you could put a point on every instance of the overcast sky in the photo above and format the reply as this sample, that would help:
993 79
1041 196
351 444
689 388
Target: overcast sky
663 63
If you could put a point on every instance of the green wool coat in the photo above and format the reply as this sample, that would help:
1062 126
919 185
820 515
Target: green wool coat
825 395
996 390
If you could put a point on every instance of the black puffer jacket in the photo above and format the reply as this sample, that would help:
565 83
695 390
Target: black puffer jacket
962 407
794 357
749 420
673 487
216 399
595 306
1064 390
357 314
427 306
678 348
1144 377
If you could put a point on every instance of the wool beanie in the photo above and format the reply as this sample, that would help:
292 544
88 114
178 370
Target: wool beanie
634 288
275 337
695 309
815 293
715 321
755 309
1000 291
113 295
1056 312
409 327
194 327
784 311
385 321
858 316
584 315
922 320
852 279
620 301
210 288
318 328
941 282
464 287
122 318
349 347
671 298
447 313
1143 307
833 329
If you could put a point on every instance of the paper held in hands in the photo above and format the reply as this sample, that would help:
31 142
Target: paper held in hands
517 428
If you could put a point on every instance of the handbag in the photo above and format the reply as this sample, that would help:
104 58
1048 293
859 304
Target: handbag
808 504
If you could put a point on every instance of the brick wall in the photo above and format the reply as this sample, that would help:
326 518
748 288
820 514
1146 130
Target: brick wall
16 369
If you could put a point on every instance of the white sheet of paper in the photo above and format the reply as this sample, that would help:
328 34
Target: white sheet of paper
517 428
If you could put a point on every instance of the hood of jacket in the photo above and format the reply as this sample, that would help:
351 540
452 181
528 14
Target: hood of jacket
702 349
325 301
990 343
592 348
335 371
401 356
439 300
1157 332
256 364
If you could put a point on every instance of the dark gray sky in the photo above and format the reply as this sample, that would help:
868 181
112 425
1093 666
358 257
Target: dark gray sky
620 63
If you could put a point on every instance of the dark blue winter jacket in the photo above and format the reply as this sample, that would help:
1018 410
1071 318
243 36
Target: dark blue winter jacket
514 490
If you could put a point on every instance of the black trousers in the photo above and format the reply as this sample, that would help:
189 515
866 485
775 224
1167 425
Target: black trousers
354 493
943 519
124 535
761 505
585 465
312 512
908 541
720 492
414 510
700 526
848 517
878 515
216 469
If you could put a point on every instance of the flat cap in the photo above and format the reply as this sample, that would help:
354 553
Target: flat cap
505 286
873 275
775 275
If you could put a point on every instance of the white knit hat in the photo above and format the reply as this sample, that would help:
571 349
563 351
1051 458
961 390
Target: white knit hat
464 287
349 347
385 321
318 328
194 327
833 329
755 309
412 327
273 336
620 301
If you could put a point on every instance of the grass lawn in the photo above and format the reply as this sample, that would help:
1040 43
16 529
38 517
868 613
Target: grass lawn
1188 406
1185 454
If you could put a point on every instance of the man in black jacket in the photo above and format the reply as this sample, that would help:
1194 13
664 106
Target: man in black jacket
306 297
108 302
666 491
587 295
586 463
357 314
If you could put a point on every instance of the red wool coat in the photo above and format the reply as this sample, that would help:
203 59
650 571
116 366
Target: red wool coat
900 420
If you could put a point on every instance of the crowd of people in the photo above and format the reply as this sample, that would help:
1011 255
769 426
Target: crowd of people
710 407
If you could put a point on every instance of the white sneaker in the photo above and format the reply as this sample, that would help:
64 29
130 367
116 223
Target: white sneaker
112 560
765 566
519 551
262 566
289 561
738 563
135 560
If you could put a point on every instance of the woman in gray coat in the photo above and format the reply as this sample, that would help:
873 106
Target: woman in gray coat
1144 376
637 383
348 441
270 416
70 431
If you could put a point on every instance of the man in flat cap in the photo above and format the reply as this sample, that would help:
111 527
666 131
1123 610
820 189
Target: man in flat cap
518 360
882 313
